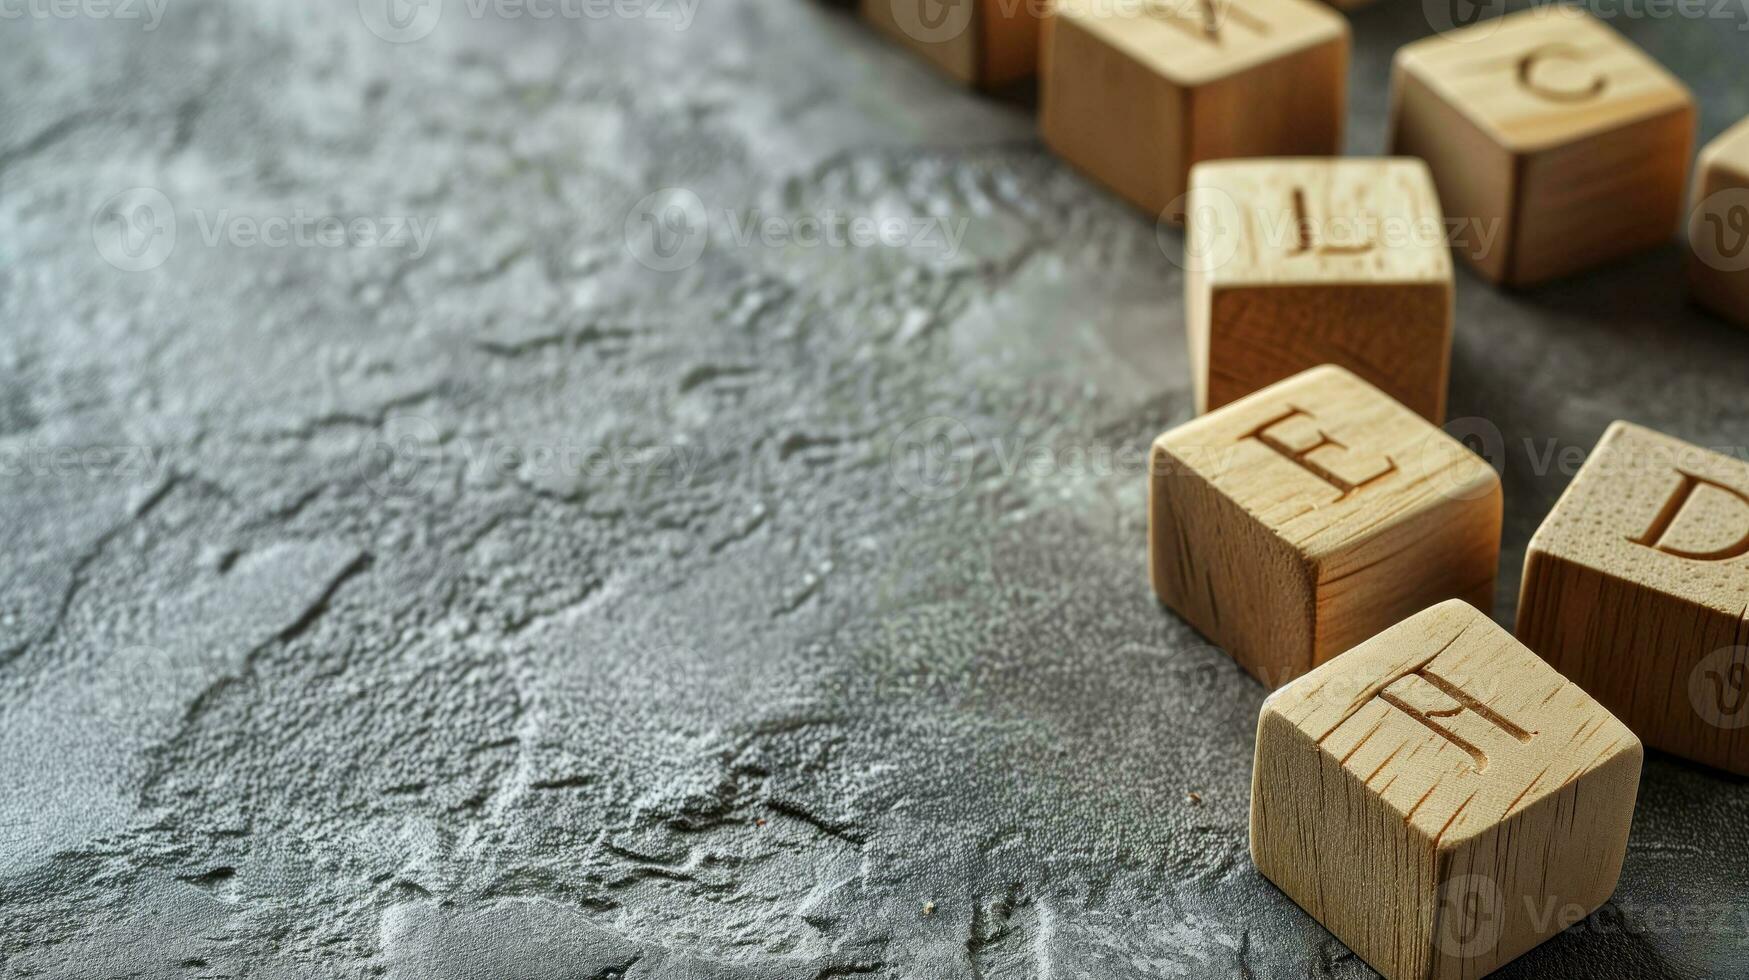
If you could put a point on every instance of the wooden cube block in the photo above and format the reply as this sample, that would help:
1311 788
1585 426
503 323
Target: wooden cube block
1440 799
984 43
1637 587
1135 94
1565 145
1301 520
1310 262
1718 226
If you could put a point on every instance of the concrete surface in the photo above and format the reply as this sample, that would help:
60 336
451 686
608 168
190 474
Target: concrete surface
492 604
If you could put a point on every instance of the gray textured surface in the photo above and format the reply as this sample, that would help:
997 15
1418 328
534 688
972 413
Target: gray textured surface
649 662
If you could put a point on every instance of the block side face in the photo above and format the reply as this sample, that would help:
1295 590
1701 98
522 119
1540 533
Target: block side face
1506 890
956 54
1215 565
1009 41
1291 105
1321 221
1604 197
1728 154
1474 175
1112 117
1718 228
1674 672
1449 550
1546 77
1397 336
1652 509
1324 837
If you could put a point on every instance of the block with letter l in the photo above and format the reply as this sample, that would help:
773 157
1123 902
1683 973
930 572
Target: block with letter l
1304 518
1637 587
1441 799
1293 263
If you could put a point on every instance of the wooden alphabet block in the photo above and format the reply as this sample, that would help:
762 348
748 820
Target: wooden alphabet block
1440 799
1135 93
1637 587
1564 144
983 43
1718 226
1301 520
1307 262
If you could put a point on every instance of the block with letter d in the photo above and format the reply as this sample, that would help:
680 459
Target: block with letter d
1302 519
1637 587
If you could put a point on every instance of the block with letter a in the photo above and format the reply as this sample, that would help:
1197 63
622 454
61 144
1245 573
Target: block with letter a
1302 519
1430 794
1637 587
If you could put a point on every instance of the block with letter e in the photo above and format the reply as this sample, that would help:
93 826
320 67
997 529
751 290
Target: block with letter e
1637 587
982 43
1306 517
1136 92
1559 143
1441 799
1293 263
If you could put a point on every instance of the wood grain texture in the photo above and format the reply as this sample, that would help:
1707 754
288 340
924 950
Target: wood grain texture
1135 94
981 43
1301 520
1318 262
1637 587
1551 128
1718 226
1440 799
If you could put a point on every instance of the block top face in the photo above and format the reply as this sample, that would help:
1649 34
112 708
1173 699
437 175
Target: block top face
1453 723
1328 463
1544 78
1191 42
1660 512
1730 152
1314 221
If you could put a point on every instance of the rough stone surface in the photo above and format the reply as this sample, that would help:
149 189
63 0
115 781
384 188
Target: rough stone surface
512 609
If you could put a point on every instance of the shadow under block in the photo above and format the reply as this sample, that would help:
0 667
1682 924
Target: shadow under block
1560 144
1135 94
1718 226
1637 587
1298 521
982 43
1294 263
1440 799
